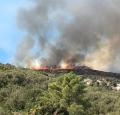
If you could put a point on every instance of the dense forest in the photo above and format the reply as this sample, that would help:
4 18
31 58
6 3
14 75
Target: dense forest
30 92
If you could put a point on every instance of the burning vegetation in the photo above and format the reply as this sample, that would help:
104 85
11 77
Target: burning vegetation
40 66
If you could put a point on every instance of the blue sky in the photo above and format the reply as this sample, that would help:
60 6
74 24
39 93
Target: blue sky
9 34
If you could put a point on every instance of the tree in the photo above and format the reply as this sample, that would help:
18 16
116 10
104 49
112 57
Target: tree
65 96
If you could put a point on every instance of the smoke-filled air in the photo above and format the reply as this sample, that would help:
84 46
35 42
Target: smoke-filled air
70 32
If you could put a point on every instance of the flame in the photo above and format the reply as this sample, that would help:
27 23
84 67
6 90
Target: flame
37 65
65 66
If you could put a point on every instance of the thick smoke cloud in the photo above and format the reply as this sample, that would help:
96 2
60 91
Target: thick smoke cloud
80 32
23 50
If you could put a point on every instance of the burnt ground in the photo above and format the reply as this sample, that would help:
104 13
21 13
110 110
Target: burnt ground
84 70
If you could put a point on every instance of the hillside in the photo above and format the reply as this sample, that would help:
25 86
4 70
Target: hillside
84 70
21 90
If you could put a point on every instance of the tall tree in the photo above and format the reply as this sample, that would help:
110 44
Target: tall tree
65 96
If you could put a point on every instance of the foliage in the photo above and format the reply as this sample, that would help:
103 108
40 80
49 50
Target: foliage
29 92
20 88
103 101
65 96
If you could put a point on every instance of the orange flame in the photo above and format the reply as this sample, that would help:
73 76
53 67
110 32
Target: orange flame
37 65
65 66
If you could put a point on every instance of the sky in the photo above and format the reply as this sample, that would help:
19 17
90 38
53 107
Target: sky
9 33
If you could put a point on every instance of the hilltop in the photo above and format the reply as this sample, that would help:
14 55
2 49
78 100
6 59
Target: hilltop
83 70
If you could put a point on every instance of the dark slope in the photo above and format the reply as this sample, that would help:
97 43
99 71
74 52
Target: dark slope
84 70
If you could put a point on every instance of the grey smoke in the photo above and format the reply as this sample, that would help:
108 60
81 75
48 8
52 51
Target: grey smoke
91 36
23 50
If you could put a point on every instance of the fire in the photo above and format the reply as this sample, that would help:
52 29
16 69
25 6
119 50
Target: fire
65 66
37 65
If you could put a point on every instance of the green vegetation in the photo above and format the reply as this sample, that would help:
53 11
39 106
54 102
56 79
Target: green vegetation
64 96
29 92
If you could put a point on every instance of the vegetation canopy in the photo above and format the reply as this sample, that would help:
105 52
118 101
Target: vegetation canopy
65 96
28 92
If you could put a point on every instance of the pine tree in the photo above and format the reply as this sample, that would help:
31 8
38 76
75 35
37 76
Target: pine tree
65 96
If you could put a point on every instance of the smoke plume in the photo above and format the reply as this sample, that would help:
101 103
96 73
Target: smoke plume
80 32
